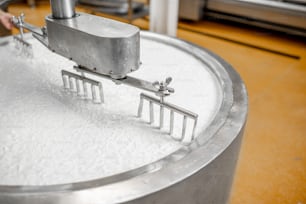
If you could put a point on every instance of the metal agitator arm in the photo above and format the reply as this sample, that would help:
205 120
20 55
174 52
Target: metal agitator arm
110 48
103 47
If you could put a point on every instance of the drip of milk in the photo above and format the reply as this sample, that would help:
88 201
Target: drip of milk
50 136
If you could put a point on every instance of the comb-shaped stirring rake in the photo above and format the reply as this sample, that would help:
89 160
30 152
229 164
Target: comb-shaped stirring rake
22 45
165 91
83 86
78 83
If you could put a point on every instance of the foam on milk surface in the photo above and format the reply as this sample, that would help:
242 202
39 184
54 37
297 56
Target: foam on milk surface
49 136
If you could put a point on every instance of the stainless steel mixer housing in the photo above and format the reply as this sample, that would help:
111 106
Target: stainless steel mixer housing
108 47
102 45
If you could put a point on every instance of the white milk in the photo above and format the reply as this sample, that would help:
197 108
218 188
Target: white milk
49 136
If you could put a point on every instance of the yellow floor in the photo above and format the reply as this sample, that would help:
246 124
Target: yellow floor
272 163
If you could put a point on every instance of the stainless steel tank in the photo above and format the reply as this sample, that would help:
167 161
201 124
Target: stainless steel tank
201 172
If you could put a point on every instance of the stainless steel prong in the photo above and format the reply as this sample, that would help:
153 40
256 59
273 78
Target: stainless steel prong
193 129
78 87
24 47
86 92
83 89
101 92
71 83
184 127
171 121
140 107
161 117
20 20
151 113
94 92
65 81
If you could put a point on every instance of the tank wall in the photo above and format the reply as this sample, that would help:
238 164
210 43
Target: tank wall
210 185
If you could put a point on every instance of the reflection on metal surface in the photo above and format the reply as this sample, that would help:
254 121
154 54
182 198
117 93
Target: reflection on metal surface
286 16
277 15
62 9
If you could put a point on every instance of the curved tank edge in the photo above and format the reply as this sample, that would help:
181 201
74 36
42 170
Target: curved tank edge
212 184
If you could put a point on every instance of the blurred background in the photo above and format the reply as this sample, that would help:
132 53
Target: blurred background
265 41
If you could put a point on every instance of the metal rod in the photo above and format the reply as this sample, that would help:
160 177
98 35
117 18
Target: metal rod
171 122
194 128
65 82
130 11
140 107
171 106
151 113
101 93
71 83
184 127
78 87
21 33
62 9
86 93
94 94
161 117
128 80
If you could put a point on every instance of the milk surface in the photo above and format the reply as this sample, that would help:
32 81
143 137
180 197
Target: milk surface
50 136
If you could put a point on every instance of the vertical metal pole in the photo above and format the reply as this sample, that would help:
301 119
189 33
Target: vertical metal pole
86 94
101 92
94 94
65 82
161 117
78 87
194 128
71 86
151 113
62 9
161 112
171 122
184 127
140 107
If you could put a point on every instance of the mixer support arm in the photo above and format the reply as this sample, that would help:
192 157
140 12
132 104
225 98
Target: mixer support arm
39 33
161 89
